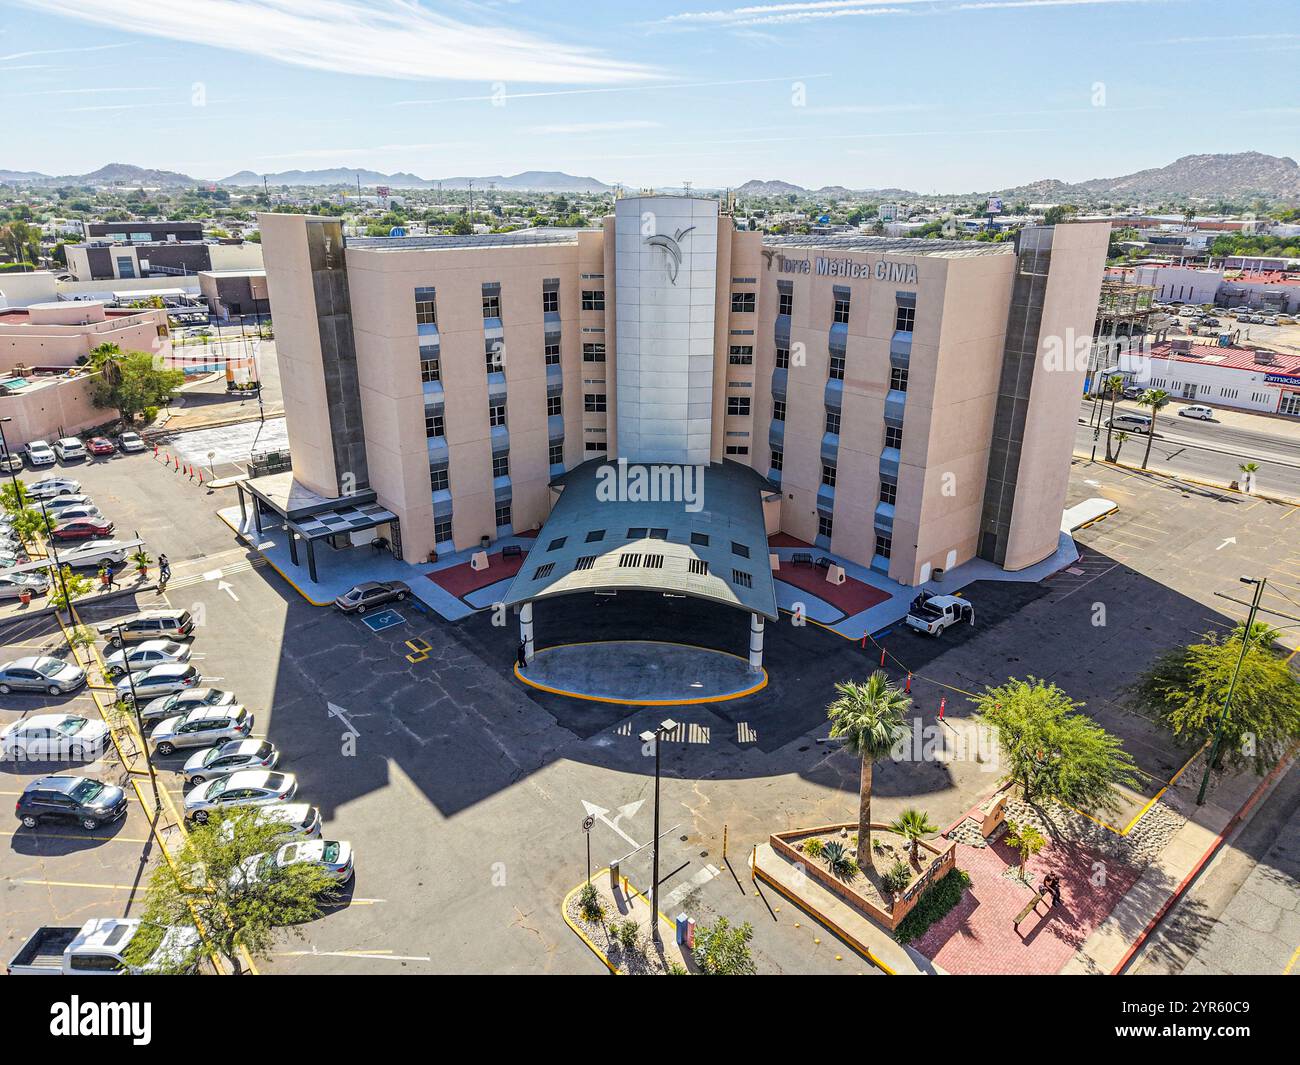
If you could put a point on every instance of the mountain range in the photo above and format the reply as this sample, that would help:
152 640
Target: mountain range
1237 176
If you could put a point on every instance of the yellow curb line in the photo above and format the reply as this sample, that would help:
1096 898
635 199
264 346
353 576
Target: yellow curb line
1148 804
269 562
564 912
1190 480
822 919
643 702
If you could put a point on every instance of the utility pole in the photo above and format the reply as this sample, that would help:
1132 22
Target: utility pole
654 736
54 553
139 720
1246 637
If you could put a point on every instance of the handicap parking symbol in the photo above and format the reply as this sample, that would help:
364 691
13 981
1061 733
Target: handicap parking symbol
384 619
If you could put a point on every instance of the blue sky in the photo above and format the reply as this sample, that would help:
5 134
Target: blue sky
934 95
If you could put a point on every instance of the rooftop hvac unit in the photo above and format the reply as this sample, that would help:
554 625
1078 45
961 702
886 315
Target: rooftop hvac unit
1182 345
1265 358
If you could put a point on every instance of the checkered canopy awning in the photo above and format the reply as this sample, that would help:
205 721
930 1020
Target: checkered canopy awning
349 519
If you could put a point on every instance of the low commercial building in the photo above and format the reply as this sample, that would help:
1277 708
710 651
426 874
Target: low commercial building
104 259
1238 378
1276 291
232 293
61 334
904 404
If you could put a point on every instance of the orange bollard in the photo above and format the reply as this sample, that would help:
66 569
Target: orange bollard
882 657
908 688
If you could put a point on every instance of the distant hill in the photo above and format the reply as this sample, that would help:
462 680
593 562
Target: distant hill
1238 176
535 180
112 174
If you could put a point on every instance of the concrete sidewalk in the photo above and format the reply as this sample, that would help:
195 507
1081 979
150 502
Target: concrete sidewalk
1110 943
859 932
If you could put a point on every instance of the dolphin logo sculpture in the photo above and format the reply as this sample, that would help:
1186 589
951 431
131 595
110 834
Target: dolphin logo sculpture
672 249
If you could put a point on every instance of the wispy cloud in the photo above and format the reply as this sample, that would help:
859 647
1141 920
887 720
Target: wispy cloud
96 91
822 10
579 128
374 38
658 87
56 51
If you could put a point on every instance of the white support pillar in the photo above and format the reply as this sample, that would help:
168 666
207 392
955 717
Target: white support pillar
526 630
755 643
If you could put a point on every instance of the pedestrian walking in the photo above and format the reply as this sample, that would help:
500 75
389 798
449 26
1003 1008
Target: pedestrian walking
164 569
521 656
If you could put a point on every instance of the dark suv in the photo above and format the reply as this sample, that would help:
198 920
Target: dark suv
88 802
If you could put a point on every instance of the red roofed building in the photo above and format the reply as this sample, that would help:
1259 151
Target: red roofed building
1240 378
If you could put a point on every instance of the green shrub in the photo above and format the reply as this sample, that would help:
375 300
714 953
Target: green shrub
626 934
812 847
589 902
932 906
897 878
838 861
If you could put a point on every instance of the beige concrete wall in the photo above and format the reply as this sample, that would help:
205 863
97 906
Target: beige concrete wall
298 349
38 413
1069 312
24 342
20 289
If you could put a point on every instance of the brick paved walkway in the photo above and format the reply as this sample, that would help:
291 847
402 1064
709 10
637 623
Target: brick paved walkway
978 937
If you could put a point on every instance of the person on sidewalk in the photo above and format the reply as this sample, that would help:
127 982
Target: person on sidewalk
164 570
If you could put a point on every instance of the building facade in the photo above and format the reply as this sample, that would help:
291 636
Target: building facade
1239 378
909 404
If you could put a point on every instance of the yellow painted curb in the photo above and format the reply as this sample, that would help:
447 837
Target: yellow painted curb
564 912
642 702
288 580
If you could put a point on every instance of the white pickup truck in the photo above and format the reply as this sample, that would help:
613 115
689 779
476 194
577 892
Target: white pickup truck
932 613
98 948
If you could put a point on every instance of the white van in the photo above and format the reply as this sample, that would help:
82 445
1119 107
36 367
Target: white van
69 449
1132 423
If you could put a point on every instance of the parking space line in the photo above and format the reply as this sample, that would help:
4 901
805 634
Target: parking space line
32 882
68 835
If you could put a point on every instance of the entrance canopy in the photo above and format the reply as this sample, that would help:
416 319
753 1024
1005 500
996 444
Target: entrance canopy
680 530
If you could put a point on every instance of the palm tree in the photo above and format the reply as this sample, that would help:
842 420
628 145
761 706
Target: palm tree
106 358
1114 387
1120 440
1155 398
1249 469
869 717
913 824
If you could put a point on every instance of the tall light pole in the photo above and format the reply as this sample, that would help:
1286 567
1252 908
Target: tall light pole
1227 701
653 736
139 720
13 474
54 554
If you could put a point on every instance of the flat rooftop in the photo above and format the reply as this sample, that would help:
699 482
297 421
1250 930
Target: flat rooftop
891 245
1229 358
515 239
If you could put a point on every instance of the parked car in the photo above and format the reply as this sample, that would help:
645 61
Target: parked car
201 727
83 529
39 453
182 702
56 506
1205 414
41 673
129 441
148 625
362 597
252 787
332 855
78 513
1135 423
69 449
158 680
1286 319
299 819
230 757
1132 392
99 948
10 462
54 737
91 554
82 800
14 585
146 655
49 487
100 445
11 557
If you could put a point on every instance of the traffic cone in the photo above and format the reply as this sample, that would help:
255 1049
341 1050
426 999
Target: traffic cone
908 688
943 702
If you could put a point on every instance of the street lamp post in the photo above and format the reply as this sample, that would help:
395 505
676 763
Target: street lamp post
653 736
54 554
13 475
139 720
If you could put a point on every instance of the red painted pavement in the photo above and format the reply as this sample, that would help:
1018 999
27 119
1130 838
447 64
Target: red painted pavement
977 935
462 579
850 597
781 539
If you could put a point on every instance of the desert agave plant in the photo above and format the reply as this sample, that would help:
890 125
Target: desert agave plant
837 858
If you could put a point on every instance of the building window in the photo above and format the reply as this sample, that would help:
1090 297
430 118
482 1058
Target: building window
904 319
557 455
543 571
503 514
785 303
883 545
898 379
494 356
778 410
739 549
825 524
426 308
441 530
593 299
438 478
496 414
491 306
500 465
778 458
782 358
433 425
595 536
893 436
828 474
550 302
430 369
742 303
552 354
699 539
738 405
741 355
888 493
737 449
697 566
593 403
585 562
833 422
741 578
553 405
594 445
837 366
841 313
593 352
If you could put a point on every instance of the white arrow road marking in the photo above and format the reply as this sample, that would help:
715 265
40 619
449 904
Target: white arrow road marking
1229 540
599 813
212 575
224 586
342 715
314 953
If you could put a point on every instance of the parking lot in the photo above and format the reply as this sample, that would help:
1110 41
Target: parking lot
463 792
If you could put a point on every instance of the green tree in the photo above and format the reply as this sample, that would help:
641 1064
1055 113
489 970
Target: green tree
721 950
75 583
1153 399
1051 749
1247 479
1112 387
230 880
139 385
1187 686
1028 841
914 825
869 717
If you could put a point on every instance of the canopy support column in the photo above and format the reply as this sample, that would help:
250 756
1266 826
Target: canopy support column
755 643
526 631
